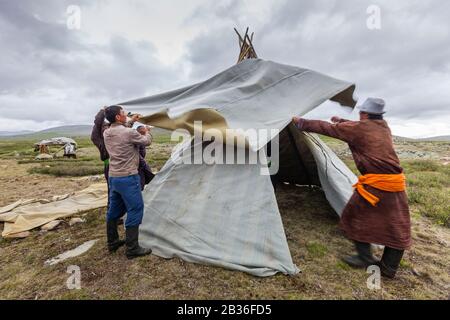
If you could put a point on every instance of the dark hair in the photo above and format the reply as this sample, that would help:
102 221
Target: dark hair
111 112
375 116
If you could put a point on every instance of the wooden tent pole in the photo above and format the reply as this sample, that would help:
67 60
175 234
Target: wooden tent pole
247 51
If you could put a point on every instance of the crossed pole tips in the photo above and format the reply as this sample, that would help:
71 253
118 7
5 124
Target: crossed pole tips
246 45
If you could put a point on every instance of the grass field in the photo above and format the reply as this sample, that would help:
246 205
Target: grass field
87 163
310 225
428 178
428 187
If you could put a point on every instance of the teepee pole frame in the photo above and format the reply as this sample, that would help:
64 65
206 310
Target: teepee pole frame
247 51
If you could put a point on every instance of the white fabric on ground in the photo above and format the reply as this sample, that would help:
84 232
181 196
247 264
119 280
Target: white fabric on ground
25 215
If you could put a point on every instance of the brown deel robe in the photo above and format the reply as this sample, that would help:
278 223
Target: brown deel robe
370 141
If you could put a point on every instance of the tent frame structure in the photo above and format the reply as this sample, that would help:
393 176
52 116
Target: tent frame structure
247 51
227 215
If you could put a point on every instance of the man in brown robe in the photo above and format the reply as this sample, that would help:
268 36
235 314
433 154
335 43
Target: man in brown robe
388 221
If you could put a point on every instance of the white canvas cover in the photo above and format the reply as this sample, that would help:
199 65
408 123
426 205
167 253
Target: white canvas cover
336 179
27 214
227 215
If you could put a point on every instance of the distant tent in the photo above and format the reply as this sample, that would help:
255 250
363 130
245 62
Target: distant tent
44 152
227 215
58 141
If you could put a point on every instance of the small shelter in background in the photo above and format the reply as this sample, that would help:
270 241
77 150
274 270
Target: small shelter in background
69 145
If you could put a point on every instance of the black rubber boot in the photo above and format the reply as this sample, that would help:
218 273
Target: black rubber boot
363 259
112 236
134 250
390 262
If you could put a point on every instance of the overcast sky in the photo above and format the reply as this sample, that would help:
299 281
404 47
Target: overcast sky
52 75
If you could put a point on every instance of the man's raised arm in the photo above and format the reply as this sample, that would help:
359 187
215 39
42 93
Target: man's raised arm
140 139
342 130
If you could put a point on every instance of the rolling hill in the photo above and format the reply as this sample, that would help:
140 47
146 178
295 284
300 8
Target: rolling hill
71 131
436 139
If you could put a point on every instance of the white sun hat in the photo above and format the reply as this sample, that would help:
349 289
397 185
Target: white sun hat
372 106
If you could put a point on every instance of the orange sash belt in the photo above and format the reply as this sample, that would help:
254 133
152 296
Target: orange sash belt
385 182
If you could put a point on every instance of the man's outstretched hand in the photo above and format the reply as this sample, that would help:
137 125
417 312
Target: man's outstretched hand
135 117
298 122
335 119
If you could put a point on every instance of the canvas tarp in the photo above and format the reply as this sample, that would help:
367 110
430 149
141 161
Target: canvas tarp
204 214
254 94
24 215
336 179
227 215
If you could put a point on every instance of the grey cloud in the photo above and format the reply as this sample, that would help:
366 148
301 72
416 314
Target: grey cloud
406 62
52 73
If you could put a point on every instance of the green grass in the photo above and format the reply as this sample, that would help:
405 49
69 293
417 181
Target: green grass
25 148
422 165
329 140
343 266
157 160
314 241
428 181
46 162
87 163
429 189
405 264
316 250
12 149
71 170
162 139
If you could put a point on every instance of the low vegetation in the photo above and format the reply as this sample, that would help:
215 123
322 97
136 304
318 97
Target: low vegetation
429 189
71 170
314 239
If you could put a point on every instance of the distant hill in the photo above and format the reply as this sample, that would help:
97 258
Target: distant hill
71 131
399 138
75 130
63 131
437 138
14 133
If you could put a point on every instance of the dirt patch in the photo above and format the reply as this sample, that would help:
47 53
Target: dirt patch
315 242
313 237
16 183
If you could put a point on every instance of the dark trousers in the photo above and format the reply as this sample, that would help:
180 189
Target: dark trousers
106 173
125 196
391 257
390 261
